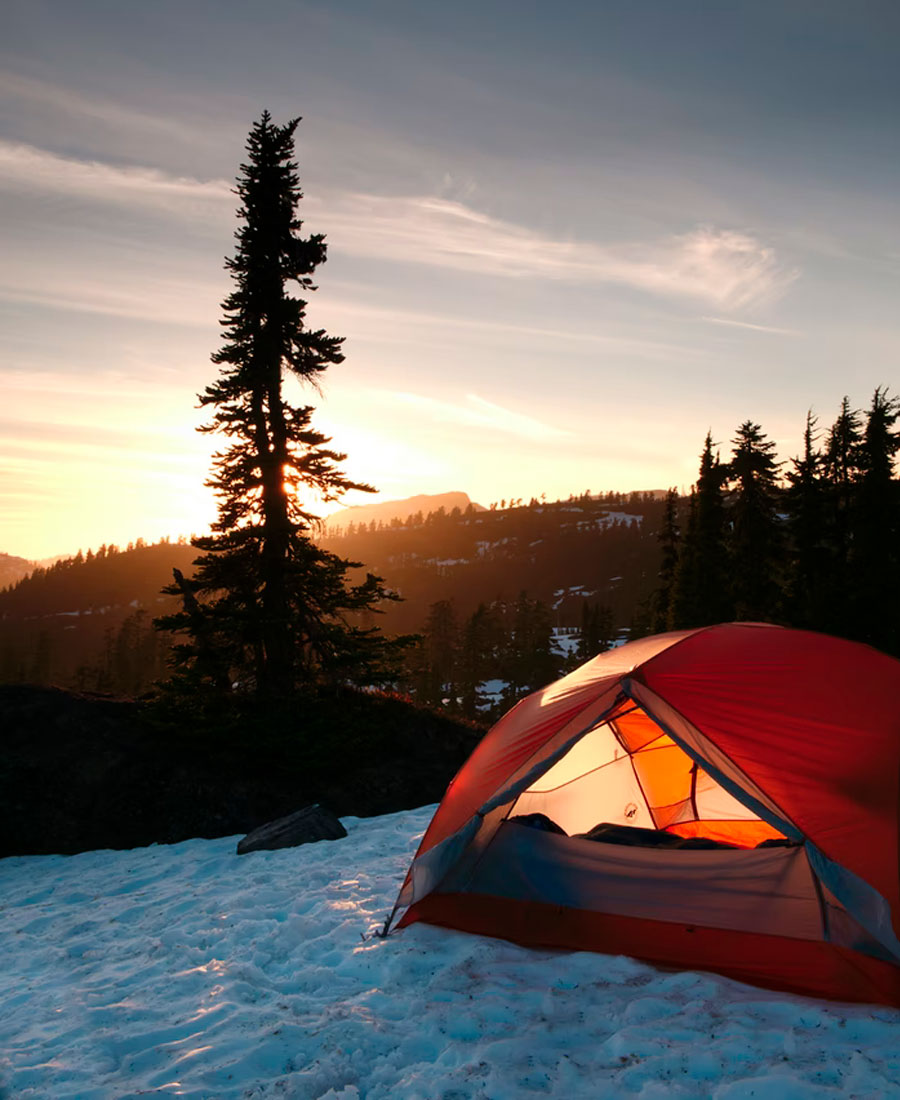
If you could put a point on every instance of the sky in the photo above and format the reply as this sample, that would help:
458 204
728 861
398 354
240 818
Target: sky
564 241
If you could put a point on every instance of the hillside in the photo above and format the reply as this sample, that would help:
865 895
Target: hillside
81 772
384 511
601 549
85 622
13 569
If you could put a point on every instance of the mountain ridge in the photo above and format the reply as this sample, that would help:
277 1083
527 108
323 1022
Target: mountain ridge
383 511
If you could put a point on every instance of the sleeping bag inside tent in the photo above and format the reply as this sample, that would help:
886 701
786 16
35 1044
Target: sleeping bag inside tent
721 799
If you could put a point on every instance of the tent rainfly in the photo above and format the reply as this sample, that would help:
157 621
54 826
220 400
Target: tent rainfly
720 799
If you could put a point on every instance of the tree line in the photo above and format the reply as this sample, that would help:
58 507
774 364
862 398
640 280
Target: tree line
816 547
604 543
480 665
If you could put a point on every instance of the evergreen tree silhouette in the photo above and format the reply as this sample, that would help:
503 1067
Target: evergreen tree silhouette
528 661
756 536
700 593
669 539
842 471
808 588
875 552
266 609
479 651
441 648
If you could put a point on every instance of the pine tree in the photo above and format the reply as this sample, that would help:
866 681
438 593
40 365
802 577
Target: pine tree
669 539
875 553
807 586
267 609
440 649
596 632
756 536
700 594
841 467
479 655
528 662
842 447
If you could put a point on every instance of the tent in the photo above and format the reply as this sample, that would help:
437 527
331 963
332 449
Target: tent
721 799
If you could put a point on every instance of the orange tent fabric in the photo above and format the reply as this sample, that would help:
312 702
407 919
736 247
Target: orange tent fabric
734 732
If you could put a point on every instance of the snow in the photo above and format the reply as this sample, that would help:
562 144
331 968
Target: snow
628 518
565 640
190 971
572 590
491 691
484 547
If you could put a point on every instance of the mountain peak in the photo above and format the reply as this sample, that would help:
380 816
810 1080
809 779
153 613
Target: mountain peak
385 510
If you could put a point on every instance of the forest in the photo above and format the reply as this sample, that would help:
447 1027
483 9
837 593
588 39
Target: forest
813 543
86 622
501 600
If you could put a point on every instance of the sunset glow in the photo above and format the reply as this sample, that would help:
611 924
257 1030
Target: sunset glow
562 245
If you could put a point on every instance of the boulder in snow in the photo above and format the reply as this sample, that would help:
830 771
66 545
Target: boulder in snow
309 824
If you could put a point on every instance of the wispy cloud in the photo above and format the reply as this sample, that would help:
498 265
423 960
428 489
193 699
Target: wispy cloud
479 413
746 324
394 326
722 267
69 104
122 292
27 168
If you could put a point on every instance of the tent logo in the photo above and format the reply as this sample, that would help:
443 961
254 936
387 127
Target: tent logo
630 810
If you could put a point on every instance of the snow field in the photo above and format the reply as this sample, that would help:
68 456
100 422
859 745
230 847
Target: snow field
189 971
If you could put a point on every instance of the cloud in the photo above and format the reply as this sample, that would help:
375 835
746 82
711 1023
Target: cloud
722 267
117 292
29 169
480 413
394 326
68 104
747 324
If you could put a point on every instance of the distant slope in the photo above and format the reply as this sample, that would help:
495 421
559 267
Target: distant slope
385 510
85 622
13 569
603 550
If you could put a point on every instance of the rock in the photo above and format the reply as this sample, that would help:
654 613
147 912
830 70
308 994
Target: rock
304 827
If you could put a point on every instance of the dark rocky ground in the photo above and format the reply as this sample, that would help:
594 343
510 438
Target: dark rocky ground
80 772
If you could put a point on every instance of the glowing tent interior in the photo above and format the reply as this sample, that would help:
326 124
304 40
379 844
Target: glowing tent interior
721 799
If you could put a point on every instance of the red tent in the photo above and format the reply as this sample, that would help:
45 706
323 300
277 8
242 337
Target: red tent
720 799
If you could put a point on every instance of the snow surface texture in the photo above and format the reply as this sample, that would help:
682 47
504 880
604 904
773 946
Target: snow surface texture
190 971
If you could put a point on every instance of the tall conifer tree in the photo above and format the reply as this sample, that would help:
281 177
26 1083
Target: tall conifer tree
267 609
528 661
440 652
669 540
807 587
700 594
842 472
756 537
482 641
875 553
